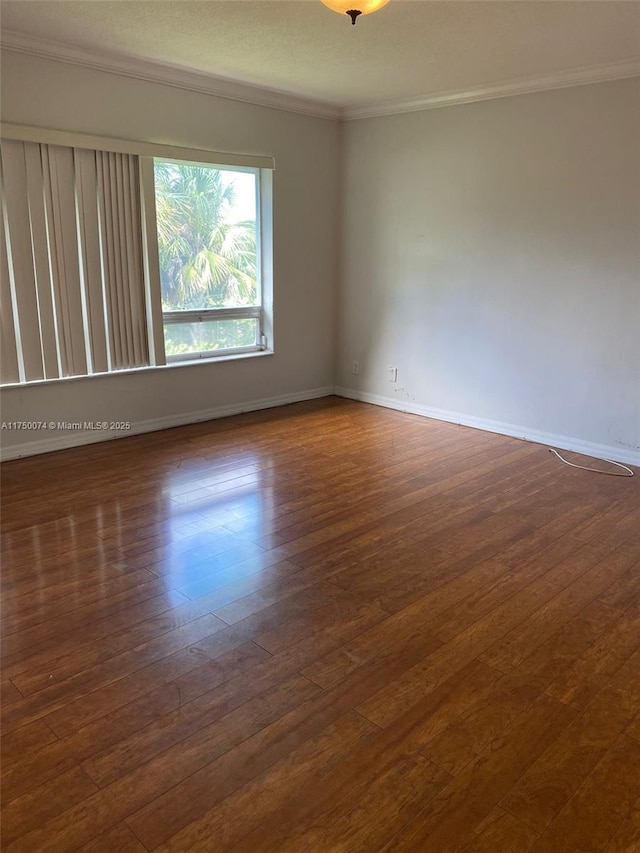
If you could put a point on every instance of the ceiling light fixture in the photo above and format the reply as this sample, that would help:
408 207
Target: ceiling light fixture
354 8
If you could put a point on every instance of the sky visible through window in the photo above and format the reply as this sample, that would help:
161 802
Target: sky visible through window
244 186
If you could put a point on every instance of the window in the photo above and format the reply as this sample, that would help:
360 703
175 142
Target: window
120 259
208 231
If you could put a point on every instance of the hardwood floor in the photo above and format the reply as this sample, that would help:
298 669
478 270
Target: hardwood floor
326 627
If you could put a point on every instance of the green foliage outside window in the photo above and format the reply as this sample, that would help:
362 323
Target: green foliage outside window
207 257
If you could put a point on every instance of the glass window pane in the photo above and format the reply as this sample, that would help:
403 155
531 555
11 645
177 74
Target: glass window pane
207 228
210 335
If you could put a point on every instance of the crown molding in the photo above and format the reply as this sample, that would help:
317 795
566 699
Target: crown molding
543 83
177 76
221 87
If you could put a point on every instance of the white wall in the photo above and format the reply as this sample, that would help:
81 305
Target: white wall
491 253
41 92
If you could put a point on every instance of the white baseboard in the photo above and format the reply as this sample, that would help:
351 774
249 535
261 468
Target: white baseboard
77 438
563 442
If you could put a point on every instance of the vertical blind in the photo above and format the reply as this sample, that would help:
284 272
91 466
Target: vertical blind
73 299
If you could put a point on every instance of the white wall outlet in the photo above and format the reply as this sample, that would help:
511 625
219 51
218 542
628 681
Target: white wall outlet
356 367
392 374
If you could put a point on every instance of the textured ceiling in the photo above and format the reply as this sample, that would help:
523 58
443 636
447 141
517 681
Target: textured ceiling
411 48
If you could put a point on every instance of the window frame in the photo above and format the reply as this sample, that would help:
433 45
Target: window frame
208 315
260 312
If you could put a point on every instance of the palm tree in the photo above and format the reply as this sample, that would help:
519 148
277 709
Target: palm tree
206 261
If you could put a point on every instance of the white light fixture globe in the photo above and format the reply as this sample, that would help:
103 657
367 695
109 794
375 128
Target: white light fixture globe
354 8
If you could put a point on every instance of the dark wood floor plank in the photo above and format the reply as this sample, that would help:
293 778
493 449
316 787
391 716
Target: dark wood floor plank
372 505
625 592
479 637
627 837
607 797
69 614
329 626
120 839
306 766
399 526
107 718
9 693
485 721
499 832
461 806
86 590
50 699
583 680
617 524
204 713
218 652
344 528
341 792
70 581
633 729
222 777
388 634
551 659
112 721
161 773
398 792
543 791
511 649
79 656
45 802
19 743
81 627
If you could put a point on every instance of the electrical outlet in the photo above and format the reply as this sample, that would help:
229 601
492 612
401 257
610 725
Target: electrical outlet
356 367
392 374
